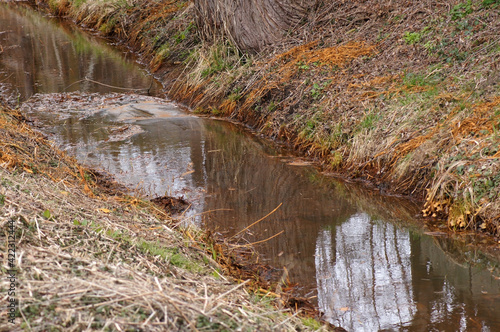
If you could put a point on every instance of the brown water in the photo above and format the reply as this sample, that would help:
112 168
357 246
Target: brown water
42 55
363 255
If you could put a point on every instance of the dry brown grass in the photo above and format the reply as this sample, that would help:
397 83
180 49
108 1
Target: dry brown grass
284 66
482 122
118 269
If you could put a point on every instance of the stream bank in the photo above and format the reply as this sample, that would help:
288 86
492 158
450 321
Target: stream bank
337 216
403 95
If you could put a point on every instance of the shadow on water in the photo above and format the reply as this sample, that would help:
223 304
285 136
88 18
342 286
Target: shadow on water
362 256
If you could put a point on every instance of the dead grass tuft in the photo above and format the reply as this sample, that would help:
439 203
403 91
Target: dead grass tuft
481 123
28 150
115 267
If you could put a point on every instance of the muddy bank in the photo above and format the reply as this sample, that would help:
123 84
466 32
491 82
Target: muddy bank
404 95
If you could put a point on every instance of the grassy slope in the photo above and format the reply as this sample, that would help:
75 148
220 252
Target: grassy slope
89 257
403 93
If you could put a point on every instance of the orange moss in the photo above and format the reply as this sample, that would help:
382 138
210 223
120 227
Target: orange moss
481 124
332 56
228 106
338 55
23 148
288 64
485 107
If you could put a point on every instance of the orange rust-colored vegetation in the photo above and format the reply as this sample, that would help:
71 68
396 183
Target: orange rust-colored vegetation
283 67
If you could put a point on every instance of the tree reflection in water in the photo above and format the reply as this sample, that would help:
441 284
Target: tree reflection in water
375 276
363 273
42 55
372 273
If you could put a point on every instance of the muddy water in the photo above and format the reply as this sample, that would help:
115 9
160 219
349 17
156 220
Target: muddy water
362 255
45 55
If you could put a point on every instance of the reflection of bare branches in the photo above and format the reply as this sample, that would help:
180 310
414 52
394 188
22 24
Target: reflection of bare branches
7 77
12 47
106 85
462 254
251 245
456 259
364 274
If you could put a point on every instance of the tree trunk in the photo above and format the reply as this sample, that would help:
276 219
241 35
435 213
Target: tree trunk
250 24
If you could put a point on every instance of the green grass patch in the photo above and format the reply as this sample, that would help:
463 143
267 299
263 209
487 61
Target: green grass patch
180 36
412 37
420 80
311 323
461 10
318 89
221 57
168 253
491 3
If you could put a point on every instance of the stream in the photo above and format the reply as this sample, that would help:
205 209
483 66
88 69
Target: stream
363 258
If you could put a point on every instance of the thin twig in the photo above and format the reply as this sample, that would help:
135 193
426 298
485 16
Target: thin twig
256 222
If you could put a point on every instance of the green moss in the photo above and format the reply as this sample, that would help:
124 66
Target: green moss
335 159
163 51
412 37
312 323
108 27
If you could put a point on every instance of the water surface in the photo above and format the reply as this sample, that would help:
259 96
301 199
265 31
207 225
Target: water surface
362 256
46 55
